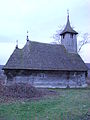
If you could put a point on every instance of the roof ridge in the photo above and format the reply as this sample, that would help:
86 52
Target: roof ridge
43 43
36 42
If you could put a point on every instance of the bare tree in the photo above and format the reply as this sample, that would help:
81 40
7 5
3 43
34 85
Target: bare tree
85 38
56 36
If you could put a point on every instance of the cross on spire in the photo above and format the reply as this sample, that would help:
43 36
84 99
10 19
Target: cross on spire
16 43
27 31
68 12
27 36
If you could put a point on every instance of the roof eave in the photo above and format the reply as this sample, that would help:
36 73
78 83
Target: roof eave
74 70
62 33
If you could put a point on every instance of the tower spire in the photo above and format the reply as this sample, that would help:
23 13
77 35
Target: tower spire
68 28
68 16
16 44
68 37
68 12
27 36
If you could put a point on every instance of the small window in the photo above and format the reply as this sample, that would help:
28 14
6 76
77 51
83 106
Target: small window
63 36
71 35
42 75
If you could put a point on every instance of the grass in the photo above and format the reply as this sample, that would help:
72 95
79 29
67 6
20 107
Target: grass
71 103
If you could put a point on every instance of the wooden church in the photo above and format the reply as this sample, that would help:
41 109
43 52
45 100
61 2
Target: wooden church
48 65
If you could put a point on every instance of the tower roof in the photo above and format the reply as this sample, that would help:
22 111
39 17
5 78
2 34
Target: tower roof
68 28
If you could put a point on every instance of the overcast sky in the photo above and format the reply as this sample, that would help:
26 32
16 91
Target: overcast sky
41 18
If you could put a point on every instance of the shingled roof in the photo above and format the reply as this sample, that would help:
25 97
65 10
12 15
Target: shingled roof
42 56
68 28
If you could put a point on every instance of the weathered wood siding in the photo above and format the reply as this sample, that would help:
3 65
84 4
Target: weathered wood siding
70 42
48 79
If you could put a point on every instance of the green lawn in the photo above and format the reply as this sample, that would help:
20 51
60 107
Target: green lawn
71 103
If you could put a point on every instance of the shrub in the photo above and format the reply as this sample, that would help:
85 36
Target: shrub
20 90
